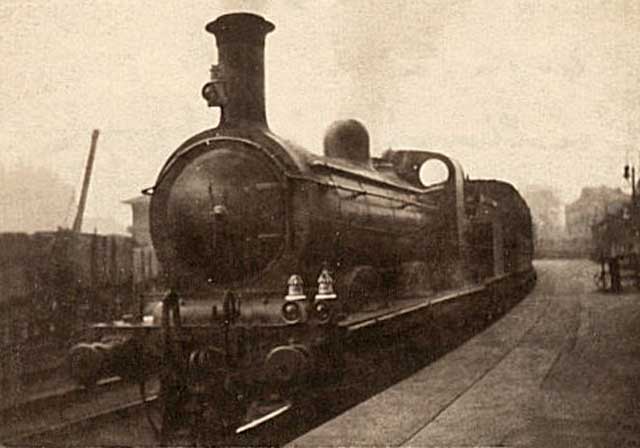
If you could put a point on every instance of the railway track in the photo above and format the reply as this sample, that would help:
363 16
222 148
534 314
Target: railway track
81 430
113 412
37 420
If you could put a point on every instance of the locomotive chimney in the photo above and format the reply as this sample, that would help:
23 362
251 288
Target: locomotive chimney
237 84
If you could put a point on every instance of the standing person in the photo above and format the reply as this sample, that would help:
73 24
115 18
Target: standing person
614 268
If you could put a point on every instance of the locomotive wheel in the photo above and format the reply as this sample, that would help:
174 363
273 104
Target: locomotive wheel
362 286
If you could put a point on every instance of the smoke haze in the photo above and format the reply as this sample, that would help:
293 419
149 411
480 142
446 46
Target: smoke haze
526 91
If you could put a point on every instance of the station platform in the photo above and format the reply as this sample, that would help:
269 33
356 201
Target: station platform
561 369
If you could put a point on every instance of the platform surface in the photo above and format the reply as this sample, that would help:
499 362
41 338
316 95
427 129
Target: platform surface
561 369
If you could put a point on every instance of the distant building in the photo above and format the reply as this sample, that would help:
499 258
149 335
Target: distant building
591 207
547 212
146 269
140 223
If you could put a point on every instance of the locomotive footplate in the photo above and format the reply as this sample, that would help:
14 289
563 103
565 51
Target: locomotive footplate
406 309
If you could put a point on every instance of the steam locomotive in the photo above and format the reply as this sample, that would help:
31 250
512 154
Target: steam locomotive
275 255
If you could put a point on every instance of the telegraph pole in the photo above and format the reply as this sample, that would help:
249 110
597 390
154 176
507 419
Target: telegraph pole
77 223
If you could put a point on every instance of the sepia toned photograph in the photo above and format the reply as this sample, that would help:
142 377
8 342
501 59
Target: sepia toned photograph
332 223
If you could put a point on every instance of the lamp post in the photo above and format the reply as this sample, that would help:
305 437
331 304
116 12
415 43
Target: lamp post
634 233
630 174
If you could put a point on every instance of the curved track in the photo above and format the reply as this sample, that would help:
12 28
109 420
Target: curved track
44 420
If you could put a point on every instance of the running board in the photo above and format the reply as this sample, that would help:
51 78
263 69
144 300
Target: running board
265 418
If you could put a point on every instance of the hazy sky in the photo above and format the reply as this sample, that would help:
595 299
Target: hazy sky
533 92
